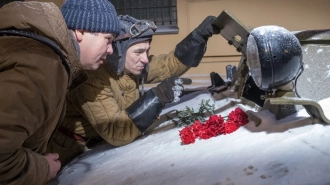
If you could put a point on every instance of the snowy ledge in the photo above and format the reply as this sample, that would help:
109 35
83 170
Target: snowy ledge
293 150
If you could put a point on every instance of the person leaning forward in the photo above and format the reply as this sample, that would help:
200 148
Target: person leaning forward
108 106
39 63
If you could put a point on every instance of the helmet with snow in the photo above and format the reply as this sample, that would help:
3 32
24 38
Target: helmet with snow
274 56
131 31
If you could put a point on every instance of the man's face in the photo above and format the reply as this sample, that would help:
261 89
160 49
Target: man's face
137 57
94 48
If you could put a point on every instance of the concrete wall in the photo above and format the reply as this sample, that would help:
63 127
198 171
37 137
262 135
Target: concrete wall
293 15
57 2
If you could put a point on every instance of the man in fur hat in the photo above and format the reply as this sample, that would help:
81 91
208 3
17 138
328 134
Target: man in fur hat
109 106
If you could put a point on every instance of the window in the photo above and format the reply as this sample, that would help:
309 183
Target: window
162 12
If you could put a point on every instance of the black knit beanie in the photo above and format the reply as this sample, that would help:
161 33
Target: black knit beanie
98 16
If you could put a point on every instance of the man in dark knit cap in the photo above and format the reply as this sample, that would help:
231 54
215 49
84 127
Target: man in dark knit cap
40 61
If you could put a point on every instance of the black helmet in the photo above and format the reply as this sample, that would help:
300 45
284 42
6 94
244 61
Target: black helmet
274 56
131 31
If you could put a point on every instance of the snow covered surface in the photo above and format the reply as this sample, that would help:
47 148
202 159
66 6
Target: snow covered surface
278 152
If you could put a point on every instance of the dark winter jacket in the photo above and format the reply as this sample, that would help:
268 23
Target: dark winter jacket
33 86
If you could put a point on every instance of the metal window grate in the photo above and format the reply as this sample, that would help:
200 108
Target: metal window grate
162 12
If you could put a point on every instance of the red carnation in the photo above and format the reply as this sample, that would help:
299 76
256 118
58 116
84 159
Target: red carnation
196 127
215 119
187 136
230 127
221 128
238 116
214 126
205 134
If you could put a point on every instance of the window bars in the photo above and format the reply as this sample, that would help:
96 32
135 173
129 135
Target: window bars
162 12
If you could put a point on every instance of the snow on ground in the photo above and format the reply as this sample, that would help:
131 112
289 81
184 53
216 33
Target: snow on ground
290 151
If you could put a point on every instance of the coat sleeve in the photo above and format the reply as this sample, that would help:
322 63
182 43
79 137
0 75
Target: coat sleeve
97 104
28 101
164 66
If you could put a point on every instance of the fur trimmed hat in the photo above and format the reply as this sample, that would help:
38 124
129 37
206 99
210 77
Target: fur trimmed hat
141 31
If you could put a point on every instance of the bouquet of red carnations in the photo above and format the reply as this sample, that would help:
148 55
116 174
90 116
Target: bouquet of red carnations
214 126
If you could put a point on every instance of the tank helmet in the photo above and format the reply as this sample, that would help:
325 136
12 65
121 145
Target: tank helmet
131 31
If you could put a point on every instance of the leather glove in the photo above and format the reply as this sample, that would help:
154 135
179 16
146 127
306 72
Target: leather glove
146 109
191 49
169 90
205 29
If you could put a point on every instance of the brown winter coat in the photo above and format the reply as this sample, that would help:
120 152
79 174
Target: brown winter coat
97 108
33 86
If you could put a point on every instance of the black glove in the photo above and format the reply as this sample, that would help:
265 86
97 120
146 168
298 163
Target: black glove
146 109
191 49
205 29
169 90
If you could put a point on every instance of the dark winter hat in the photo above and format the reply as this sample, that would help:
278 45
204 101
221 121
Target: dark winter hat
131 31
97 16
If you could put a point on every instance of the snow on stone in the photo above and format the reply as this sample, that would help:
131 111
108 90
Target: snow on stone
293 150
327 74
319 50
306 49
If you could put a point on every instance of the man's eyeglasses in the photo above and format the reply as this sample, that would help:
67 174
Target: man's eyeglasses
138 29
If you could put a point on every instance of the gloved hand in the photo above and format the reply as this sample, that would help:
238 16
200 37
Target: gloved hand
146 109
205 29
191 49
169 90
